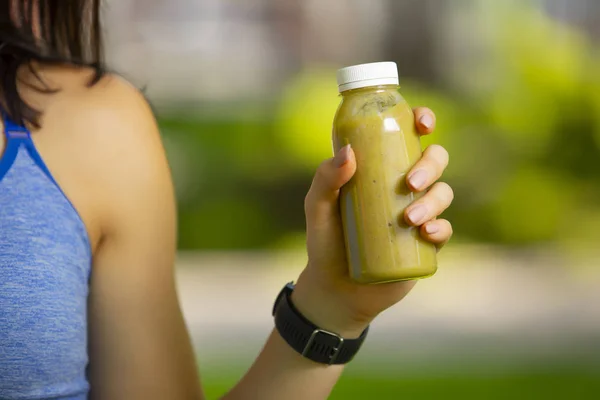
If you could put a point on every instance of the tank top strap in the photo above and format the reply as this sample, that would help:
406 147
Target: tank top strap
17 137
14 131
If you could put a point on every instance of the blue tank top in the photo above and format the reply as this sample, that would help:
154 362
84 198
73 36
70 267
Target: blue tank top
45 263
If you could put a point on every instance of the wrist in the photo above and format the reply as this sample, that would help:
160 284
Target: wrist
326 311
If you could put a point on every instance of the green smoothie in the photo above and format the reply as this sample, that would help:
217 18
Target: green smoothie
379 124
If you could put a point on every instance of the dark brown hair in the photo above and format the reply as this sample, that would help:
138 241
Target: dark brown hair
49 32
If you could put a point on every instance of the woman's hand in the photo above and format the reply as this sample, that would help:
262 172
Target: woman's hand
324 293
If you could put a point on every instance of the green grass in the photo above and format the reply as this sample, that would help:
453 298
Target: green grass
529 386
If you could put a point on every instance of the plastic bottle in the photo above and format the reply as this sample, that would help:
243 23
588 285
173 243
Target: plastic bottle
377 122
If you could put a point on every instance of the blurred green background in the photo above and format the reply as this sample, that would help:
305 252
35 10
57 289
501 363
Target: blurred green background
245 93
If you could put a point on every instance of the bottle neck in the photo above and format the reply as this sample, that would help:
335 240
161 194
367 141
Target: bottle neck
370 89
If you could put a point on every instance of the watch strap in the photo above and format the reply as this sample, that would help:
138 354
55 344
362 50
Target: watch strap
309 340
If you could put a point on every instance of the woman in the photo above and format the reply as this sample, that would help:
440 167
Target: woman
87 235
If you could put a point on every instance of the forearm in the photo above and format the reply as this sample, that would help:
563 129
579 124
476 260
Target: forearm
280 372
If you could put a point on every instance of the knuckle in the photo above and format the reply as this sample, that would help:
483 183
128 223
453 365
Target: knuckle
446 190
450 229
319 187
324 166
310 204
439 155
321 173
307 201
423 110
442 194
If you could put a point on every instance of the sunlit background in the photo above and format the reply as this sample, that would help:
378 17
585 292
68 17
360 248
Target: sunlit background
245 94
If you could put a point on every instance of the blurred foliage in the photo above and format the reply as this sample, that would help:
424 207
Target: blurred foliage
305 117
524 149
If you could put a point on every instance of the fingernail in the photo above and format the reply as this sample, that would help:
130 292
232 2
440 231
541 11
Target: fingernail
432 228
417 214
418 179
426 120
342 156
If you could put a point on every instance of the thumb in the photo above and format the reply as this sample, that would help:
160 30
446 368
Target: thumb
331 175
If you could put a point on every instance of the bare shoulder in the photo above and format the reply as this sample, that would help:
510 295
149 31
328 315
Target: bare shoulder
120 127
111 107
103 145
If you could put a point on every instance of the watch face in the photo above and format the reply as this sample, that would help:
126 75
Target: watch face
287 290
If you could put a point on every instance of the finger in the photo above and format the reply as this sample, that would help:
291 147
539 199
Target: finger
432 204
438 232
429 168
424 120
331 175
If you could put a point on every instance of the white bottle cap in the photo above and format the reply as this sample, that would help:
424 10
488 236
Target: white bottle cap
363 75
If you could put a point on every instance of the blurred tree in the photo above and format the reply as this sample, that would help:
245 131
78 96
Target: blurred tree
524 146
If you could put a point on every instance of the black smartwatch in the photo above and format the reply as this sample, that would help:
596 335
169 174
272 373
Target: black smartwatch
308 339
